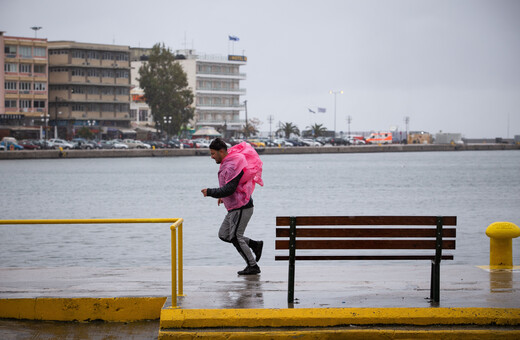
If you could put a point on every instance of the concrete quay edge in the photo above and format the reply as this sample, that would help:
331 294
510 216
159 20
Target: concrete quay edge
330 317
54 154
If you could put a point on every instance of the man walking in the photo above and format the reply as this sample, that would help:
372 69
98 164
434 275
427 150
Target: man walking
240 169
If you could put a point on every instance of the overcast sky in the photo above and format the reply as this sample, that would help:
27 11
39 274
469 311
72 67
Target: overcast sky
450 65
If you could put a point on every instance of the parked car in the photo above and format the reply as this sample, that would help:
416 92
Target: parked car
256 143
29 145
83 144
57 143
10 143
136 144
2 147
117 144
311 142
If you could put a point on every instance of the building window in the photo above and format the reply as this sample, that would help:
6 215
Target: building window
121 56
121 91
10 51
40 86
39 104
39 69
122 74
107 74
10 103
10 85
25 104
133 113
143 115
107 91
78 72
107 107
92 55
8 67
93 72
107 56
78 89
25 51
78 54
25 68
39 52
93 90
78 107
25 86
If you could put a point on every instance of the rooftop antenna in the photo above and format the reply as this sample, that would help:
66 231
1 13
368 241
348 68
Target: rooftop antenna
36 29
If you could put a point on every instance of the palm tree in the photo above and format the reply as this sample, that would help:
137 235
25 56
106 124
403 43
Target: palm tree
287 129
317 129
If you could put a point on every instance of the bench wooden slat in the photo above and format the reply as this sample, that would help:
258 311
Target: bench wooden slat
361 257
365 220
364 244
359 232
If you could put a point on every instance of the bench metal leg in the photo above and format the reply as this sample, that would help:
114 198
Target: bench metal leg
292 254
435 284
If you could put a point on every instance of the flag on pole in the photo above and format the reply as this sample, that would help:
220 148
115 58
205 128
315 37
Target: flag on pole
322 110
312 111
233 38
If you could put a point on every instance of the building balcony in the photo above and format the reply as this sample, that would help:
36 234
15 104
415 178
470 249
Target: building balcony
221 75
212 90
220 107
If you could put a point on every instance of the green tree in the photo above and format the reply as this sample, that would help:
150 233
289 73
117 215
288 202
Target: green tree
317 130
85 132
166 89
287 129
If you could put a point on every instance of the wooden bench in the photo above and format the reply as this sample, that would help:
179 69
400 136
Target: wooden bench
430 236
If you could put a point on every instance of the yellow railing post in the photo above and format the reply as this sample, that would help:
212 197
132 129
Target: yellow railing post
174 266
180 260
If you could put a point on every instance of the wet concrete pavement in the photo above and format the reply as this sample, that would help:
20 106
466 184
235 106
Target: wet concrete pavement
388 285
349 285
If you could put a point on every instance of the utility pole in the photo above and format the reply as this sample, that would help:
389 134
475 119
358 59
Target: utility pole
246 129
270 119
407 121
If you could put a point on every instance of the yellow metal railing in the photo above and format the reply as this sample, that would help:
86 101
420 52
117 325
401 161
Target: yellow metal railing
176 241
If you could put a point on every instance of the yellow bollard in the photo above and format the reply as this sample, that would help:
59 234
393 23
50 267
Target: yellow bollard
501 236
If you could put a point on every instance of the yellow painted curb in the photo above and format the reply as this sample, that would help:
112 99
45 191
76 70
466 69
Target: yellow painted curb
365 334
121 309
328 317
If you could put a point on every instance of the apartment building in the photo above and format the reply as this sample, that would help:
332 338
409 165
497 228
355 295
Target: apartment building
89 87
215 82
23 86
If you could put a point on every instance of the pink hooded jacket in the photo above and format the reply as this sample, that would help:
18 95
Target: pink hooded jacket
241 157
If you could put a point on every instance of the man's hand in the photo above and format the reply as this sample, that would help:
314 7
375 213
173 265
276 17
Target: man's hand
204 192
219 201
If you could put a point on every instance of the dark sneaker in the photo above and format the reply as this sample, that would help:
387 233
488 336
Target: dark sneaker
250 270
258 250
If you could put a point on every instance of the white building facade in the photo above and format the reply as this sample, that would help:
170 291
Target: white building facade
215 83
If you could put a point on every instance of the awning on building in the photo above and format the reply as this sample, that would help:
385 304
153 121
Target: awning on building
207 131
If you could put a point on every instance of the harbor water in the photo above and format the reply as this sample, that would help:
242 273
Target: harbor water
479 187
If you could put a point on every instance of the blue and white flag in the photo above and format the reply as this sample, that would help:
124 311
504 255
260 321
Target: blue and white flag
312 111
233 38
322 110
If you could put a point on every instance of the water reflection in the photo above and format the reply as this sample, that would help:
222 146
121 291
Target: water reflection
246 293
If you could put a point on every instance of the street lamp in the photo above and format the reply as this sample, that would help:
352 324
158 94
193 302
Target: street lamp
167 124
335 93
36 29
56 113
45 119
349 120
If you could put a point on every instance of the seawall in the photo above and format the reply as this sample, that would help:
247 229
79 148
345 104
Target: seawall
46 154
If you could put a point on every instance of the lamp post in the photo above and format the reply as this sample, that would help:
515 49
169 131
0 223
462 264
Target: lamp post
56 113
45 119
36 29
167 124
335 93
349 120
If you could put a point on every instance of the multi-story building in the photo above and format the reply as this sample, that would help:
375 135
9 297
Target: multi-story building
23 86
215 82
89 87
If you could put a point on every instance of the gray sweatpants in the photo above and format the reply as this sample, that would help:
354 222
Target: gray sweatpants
232 231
